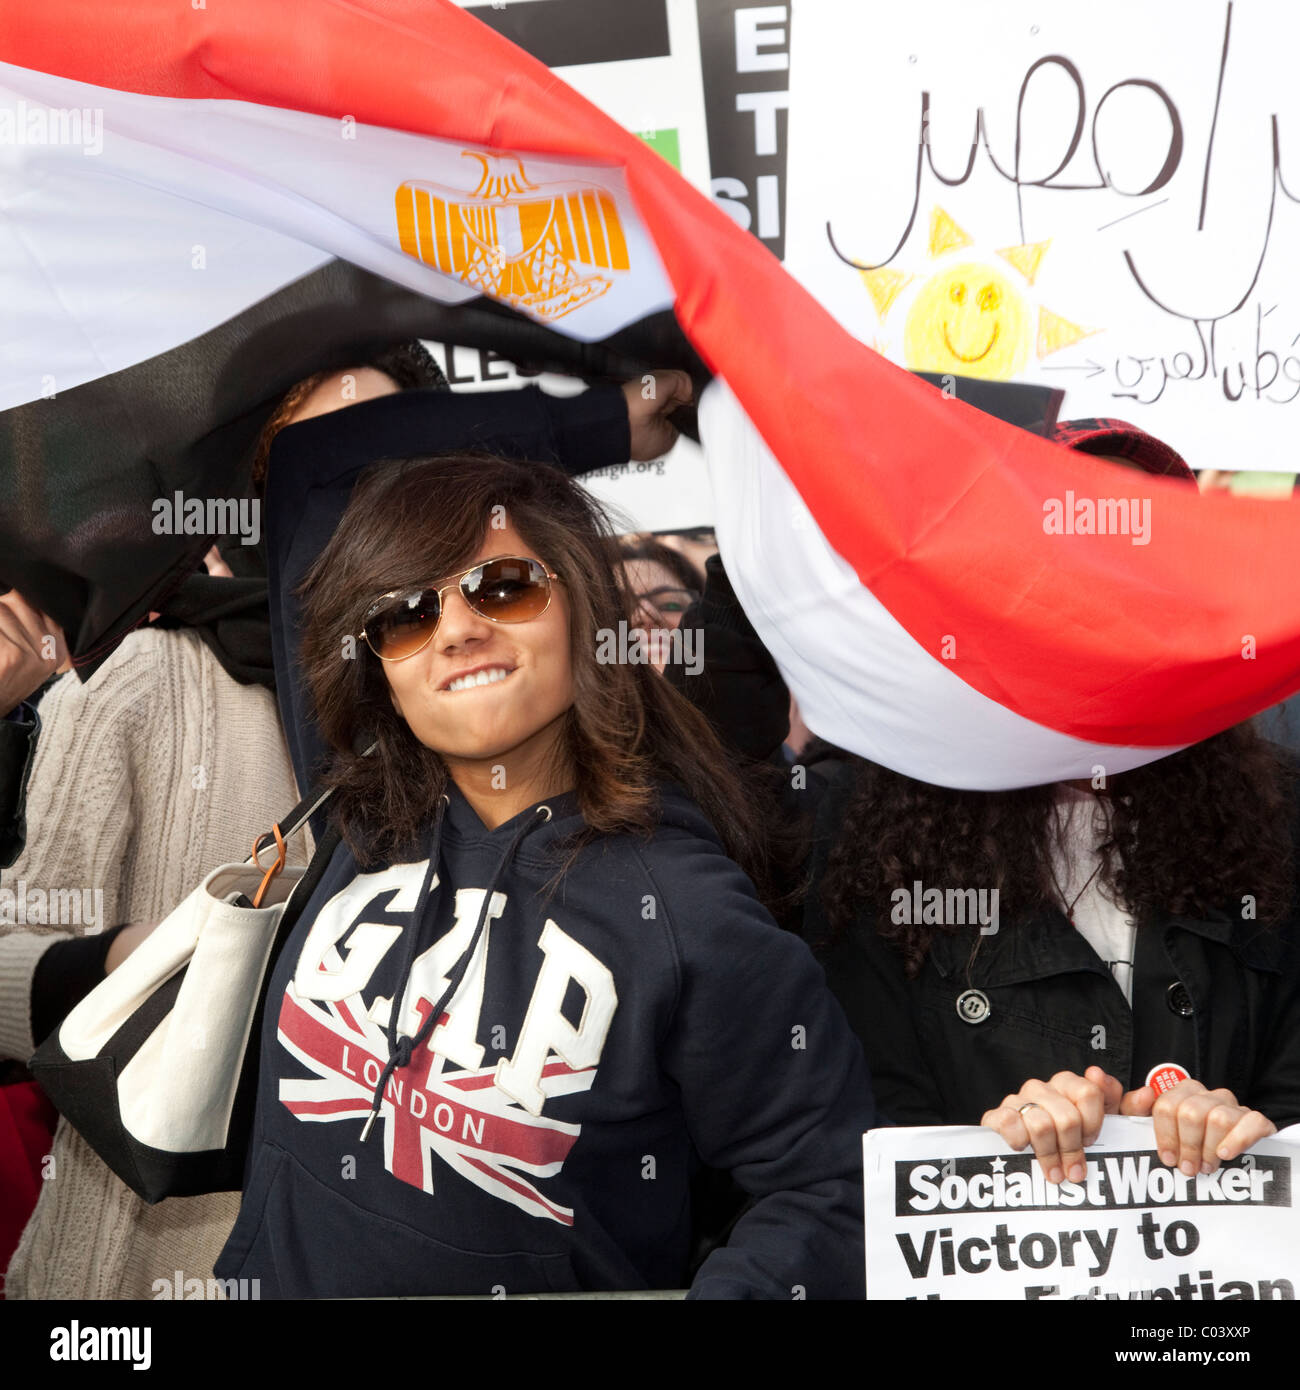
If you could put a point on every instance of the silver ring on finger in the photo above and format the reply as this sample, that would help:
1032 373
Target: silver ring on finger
1030 1105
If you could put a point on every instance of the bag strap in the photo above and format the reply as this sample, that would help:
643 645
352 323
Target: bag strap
287 828
296 819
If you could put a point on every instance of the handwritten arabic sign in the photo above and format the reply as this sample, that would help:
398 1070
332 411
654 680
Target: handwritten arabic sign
1103 199
953 1213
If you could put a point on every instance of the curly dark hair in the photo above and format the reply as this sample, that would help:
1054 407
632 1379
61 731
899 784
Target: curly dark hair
1190 834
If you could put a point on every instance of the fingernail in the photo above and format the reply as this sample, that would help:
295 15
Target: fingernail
1168 1157
1224 1153
1187 1167
1076 1173
1055 1175
1207 1166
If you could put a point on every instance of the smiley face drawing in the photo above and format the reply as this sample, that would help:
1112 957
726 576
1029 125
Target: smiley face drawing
970 321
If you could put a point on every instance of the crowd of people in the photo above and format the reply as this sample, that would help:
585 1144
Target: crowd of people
631 921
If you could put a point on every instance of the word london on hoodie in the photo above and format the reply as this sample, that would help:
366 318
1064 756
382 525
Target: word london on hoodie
610 1032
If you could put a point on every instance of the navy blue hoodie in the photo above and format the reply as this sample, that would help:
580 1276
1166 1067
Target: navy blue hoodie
603 1033
603 1041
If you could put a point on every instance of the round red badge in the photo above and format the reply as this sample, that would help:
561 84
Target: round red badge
1166 1076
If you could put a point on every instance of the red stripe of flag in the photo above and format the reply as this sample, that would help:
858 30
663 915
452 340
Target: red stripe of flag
563 1216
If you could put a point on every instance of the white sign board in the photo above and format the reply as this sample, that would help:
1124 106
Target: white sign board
1100 198
953 1213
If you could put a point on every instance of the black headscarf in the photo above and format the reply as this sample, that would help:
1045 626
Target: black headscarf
232 615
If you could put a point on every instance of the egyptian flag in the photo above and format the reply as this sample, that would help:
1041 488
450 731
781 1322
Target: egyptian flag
201 204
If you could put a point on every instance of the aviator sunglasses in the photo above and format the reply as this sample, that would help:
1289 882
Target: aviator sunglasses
506 589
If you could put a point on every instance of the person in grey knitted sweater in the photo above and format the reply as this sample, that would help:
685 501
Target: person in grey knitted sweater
145 778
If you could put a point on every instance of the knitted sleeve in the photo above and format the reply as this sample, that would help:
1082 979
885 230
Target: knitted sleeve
163 768
80 817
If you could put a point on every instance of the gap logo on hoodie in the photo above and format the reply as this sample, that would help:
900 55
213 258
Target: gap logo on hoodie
484 1122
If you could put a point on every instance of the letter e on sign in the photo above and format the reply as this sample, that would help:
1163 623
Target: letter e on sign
752 36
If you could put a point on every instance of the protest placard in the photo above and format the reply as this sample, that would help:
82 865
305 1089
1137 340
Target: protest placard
641 64
953 1213
1099 198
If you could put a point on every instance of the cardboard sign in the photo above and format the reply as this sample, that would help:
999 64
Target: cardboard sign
1103 199
953 1213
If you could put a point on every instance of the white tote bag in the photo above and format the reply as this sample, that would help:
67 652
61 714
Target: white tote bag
156 1066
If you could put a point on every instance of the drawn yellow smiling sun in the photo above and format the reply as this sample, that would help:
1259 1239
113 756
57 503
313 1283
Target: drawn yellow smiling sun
969 320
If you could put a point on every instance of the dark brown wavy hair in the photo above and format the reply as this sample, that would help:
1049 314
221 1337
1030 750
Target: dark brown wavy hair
415 520
1190 834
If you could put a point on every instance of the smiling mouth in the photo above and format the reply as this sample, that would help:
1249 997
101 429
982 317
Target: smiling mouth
492 675
961 356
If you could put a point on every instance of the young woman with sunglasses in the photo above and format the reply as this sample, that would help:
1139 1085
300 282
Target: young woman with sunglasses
314 466
539 860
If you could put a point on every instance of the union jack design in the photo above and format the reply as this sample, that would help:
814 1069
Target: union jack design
428 1107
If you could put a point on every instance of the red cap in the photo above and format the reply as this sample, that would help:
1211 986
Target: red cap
1125 441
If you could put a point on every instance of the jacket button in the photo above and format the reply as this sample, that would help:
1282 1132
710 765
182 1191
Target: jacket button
1180 1002
973 1006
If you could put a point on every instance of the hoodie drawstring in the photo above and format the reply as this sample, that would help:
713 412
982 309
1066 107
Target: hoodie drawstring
401 1047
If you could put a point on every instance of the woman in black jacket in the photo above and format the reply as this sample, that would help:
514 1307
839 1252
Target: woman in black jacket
1081 932
1105 930
1084 932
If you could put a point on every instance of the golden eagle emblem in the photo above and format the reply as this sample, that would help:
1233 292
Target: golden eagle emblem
537 247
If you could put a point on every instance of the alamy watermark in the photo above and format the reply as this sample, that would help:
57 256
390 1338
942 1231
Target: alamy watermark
1098 516
949 907
73 1342
21 906
179 1287
660 646
179 515
53 125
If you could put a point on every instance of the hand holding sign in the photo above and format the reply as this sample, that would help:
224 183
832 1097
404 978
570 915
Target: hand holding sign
1059 1118
949 1216
1195 1128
